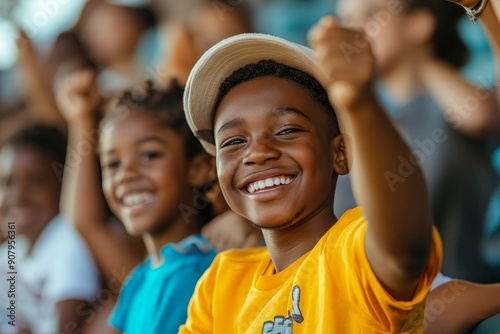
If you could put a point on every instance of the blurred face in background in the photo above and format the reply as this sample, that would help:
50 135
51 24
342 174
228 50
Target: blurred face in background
109 33
213 25
388 28
30 189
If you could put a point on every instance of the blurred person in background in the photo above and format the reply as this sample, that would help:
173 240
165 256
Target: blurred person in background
112 34
418 52
205 24
38 74
56 277
490 20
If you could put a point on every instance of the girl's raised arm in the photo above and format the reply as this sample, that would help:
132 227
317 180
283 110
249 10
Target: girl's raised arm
82 201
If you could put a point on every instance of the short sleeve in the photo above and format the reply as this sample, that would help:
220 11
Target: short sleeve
376 305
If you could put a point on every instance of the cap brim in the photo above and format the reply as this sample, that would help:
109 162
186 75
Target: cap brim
223 59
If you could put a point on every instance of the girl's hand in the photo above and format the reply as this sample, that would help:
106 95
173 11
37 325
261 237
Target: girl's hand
77 96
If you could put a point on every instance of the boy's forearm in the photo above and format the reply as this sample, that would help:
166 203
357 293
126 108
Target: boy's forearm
390 187
387 183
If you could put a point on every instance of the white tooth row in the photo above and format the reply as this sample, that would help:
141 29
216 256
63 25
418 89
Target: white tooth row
135 199
276 181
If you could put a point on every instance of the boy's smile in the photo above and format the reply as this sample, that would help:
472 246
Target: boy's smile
274 150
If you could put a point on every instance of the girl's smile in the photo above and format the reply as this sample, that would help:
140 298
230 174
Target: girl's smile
145 173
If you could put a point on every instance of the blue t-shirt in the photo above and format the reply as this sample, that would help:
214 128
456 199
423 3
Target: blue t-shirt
155 300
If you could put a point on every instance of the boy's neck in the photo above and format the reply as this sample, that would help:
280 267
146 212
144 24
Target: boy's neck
288 245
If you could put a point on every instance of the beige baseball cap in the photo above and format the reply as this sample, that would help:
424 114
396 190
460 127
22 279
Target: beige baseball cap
222 60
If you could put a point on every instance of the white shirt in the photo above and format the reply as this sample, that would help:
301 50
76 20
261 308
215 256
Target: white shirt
439 280
60 267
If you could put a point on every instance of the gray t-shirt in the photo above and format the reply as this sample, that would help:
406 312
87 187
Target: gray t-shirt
459 176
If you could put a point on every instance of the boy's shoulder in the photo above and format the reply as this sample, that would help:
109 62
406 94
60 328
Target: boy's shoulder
254 254
351 214
349 220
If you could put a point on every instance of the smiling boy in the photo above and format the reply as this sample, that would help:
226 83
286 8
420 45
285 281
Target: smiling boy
263 107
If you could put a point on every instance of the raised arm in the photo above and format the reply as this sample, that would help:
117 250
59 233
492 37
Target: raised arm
82 201
388 186
472 109
34 86
490 19
182 55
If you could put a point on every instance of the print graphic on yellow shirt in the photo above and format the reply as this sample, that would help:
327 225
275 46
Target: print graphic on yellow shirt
282 325
331 289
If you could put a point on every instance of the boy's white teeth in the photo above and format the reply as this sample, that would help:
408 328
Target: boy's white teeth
135 199
270 182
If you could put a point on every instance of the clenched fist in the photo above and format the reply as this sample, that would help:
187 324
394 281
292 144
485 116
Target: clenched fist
77 96
345 63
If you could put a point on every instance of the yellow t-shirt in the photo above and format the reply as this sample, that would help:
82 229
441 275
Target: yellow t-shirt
331 289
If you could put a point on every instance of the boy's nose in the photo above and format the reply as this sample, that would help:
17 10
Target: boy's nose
261 148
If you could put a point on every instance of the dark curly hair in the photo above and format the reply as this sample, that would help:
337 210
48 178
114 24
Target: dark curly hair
272 68
43 137
163 104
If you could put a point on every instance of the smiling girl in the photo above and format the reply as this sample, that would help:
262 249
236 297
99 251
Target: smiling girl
154 174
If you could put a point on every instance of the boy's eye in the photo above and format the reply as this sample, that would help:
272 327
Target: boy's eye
289 131
231 142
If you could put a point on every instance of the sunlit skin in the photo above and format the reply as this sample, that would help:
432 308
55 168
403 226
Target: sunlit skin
31 189
141 157
271 128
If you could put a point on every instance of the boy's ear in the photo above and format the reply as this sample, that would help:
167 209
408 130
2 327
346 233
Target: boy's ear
201 170
340 155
